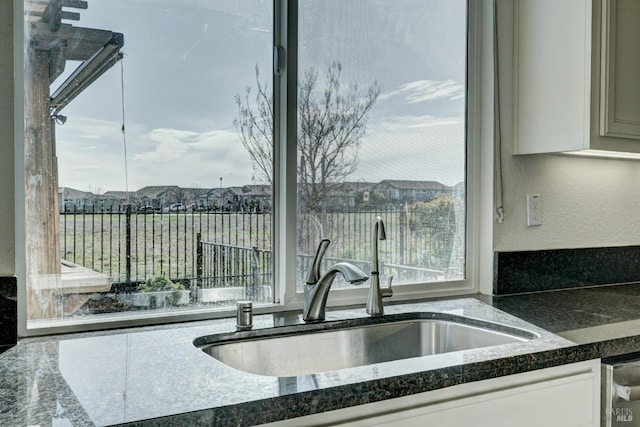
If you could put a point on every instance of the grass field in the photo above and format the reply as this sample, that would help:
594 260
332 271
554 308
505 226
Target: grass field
165 244
160 244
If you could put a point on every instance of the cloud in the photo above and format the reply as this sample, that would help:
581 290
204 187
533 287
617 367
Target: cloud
91 153
400 124
183 157
413 148
427 90
168 145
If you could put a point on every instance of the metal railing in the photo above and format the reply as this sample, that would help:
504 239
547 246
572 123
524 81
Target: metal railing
249 271
231 266
132 248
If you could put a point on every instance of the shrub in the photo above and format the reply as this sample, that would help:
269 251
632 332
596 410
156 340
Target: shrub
160 283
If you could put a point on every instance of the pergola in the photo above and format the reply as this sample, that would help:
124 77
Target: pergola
50 42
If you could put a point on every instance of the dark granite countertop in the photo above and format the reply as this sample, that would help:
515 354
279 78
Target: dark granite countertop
604 319
157 374
566 310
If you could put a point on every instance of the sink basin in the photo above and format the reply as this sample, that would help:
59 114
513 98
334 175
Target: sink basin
308 349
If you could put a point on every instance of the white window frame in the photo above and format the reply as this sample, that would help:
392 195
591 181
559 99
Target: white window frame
286 198
479 88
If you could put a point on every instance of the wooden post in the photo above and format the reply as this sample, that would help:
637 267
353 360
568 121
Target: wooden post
41 186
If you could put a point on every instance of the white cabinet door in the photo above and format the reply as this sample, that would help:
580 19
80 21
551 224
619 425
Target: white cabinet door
551 75
563 396
575 76
620 101
565 402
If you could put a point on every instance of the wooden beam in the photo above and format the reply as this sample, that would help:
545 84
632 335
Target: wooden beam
51 11
78 43
70 16
76 4
52 15
57 63
40 33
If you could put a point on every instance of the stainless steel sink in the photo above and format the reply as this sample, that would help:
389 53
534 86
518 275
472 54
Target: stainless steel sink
306 349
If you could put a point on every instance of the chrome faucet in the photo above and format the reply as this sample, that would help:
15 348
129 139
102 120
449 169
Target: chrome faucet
374 301
317 287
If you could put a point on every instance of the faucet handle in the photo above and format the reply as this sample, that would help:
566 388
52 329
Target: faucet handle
314 272
388 291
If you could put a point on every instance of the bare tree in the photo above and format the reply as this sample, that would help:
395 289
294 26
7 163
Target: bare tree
255 127
331 123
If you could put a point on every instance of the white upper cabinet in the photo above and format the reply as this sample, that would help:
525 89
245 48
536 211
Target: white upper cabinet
620 100
575 76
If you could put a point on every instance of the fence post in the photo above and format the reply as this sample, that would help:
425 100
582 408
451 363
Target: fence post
254 273
128 245
198 261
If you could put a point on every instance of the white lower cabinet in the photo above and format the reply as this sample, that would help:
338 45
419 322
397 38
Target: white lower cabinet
563 396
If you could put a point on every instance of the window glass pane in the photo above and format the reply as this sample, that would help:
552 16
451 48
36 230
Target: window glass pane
140 193
381 132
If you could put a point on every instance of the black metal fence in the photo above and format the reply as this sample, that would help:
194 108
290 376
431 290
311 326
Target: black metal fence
224 249
132 248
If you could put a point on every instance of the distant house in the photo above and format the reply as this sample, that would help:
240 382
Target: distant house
352 193
114 201
78 201
157 196
247 198
71 200
121 196
108 202
339 195
191 197
211 199
410 191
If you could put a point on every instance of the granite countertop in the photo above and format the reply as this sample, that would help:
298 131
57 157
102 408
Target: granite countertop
605 320
157 374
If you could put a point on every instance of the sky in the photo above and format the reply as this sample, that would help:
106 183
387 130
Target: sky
185 60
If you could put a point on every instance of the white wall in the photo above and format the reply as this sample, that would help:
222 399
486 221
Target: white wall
7 215
586 202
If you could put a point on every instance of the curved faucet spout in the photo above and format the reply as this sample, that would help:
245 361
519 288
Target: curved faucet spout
316 296
379 233
374 300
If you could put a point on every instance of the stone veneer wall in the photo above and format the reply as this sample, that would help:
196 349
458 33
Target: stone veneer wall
532 271
8 313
